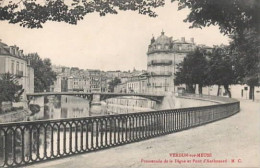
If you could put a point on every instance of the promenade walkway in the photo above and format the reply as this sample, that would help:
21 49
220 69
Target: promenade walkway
232 142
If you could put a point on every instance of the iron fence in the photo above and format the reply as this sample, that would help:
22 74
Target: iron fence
31 142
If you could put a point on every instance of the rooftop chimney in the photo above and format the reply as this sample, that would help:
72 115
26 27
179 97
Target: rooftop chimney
20 53
11 50
162 33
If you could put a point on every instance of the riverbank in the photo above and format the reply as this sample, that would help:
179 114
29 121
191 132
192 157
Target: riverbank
14 116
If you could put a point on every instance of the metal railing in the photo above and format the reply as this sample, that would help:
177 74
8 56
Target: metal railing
31 142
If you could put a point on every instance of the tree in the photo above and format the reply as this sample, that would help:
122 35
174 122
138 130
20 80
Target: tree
113 83
29 13
44 77
192 71
240 20
245 51
221 70
10 89
232 16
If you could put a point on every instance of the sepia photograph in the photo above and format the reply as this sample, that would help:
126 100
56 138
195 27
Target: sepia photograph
130 83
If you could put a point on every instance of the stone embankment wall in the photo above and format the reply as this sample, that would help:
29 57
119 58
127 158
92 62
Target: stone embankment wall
188 102
18 115
131 104
19 111
123 105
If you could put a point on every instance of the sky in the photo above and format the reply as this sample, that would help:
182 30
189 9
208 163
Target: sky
113 42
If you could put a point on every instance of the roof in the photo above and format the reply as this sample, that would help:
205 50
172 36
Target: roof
162 39
5 50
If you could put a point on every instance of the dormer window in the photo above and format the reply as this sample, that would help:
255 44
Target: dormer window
159 47
11 50
166 46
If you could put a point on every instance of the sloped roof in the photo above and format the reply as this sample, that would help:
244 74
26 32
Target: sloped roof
4 49
163 39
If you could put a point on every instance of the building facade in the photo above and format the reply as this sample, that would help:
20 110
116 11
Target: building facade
78 84
95 80
121 88
13 61
137 84
163 56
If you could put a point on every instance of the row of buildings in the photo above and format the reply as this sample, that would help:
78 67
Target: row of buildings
14 62
89 80
163 55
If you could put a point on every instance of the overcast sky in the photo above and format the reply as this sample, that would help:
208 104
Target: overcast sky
113 42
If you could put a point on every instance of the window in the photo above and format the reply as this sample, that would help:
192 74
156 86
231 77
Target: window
17 68
22 68
12 67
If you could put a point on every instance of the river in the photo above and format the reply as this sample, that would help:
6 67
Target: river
29 143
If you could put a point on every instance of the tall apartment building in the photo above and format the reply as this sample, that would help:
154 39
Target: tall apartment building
12 60
163 56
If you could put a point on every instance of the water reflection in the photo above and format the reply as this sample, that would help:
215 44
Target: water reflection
60 107
28 143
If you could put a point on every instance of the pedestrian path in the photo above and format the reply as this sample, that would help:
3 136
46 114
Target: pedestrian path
232 142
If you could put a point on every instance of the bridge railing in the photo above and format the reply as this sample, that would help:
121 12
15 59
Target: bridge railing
31 142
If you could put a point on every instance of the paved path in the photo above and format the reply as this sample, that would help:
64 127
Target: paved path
237 137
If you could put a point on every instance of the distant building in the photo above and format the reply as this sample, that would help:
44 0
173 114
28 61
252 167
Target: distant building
104 83
12 60
61 70
113 74
205 49
163 55
78 84
95 80
121 88
137 84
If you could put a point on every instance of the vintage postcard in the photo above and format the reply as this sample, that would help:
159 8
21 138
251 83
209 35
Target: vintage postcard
129 83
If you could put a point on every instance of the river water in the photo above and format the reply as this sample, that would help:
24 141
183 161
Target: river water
36 143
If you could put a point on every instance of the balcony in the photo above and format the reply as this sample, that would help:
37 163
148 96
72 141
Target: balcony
175 49
166 74
155 50
160 62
